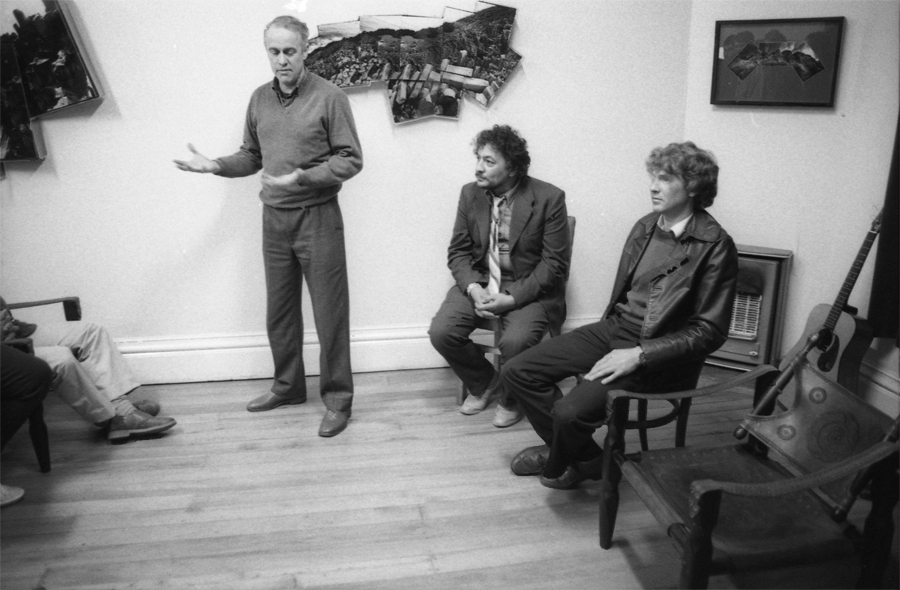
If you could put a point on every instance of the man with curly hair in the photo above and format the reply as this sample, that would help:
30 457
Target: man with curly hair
670 307
509 256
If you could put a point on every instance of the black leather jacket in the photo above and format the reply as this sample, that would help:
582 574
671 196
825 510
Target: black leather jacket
690 302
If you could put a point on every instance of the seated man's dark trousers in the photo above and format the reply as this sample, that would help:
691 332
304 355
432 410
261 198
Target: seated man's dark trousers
455 321
567 423
24 383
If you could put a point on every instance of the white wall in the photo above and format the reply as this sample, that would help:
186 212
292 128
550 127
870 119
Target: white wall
170 262
809 180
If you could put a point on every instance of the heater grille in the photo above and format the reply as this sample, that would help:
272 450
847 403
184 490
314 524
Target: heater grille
745 316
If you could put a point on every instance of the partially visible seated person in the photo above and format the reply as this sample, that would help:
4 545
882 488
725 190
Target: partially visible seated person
24 383
509 254
90 375
670 307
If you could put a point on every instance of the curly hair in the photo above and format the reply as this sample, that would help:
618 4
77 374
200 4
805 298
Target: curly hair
508 142
696 168
291 24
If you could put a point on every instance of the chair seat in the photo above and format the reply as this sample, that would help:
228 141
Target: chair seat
751 532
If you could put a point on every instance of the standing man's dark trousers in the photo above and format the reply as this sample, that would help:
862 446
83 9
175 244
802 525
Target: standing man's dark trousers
456 320
24 383
308 242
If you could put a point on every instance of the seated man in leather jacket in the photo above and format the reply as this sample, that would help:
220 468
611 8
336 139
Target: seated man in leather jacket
670 307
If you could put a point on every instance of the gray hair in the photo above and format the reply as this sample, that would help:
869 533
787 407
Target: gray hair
291 24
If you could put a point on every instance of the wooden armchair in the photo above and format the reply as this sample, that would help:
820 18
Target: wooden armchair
37 428
733 508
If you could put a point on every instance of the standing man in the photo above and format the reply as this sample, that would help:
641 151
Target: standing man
300 131
670 307
509 255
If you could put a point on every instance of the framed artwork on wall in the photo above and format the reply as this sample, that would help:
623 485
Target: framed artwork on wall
426 64
777 62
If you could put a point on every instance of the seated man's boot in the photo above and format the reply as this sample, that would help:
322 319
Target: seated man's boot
575 474
531 461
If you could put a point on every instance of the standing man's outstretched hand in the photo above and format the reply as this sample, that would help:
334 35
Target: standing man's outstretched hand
198 163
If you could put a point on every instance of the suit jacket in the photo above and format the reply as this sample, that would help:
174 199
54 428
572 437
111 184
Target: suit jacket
690 303
539 248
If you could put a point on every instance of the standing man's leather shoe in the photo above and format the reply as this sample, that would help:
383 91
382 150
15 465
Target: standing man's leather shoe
270 401
334 422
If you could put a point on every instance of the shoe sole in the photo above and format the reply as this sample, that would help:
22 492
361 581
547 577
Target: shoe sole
290 402
549 483
121 435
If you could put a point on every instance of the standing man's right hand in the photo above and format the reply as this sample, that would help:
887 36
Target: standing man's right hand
198 163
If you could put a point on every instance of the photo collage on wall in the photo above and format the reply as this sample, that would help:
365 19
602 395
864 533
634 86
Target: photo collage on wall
42 70
426 64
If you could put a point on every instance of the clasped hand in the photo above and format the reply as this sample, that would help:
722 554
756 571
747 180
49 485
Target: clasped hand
617 363
491 306
284 185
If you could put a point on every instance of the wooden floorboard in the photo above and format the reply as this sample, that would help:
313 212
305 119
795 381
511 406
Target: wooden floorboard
412 495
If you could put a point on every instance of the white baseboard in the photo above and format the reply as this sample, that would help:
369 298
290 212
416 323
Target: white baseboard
227 358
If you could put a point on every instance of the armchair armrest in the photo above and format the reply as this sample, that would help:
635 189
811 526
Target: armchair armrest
71 306
699 392
835 472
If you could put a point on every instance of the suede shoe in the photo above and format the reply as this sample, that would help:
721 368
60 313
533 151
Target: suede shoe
270 401
474 404
504 417
334 423
531 461
137 423
10 495
147 406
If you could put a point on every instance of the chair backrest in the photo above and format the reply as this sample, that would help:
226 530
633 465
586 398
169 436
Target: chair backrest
826 423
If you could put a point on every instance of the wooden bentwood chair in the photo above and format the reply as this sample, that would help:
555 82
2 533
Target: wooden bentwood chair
496 328
733 508
37 428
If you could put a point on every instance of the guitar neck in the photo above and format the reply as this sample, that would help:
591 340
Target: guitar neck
839 303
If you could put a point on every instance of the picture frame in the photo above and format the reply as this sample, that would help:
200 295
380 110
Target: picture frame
777 62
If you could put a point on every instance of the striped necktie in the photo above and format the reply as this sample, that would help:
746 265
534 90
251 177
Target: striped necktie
494 255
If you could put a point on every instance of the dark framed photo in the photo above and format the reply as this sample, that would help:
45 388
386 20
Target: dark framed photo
777 62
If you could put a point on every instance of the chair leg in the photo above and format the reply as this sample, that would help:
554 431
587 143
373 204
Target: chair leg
40 439
684 409
697 551
461 394
612 473
642 429
878 534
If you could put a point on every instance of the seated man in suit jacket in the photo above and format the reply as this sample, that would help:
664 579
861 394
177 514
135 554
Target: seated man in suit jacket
509 255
